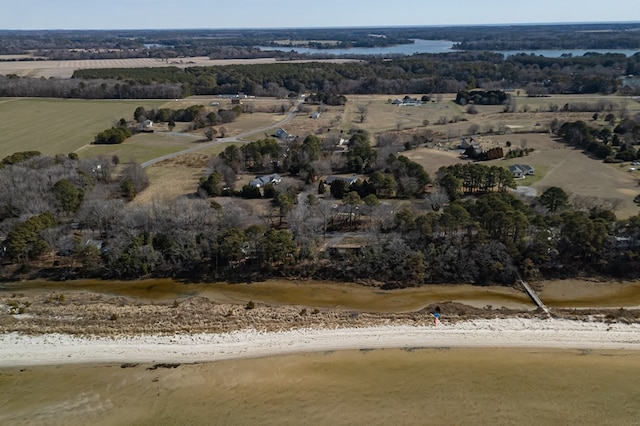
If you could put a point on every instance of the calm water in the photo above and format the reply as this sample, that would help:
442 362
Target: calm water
319 294
420 46
440 46
435 386
323 294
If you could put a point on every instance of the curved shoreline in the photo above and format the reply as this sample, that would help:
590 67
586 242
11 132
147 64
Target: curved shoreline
18 350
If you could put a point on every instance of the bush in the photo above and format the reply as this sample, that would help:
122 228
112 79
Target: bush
18 157
249 191
112 136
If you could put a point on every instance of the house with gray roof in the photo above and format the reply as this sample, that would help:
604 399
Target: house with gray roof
262 181
521 170
348 180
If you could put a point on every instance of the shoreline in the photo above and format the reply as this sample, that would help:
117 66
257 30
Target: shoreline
21 350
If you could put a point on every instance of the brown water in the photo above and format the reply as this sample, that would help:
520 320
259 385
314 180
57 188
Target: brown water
558 294
284 292
591 294
422 386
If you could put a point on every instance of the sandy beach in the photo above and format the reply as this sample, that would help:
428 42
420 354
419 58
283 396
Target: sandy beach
49 349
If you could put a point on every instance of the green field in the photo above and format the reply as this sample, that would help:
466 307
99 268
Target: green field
59 126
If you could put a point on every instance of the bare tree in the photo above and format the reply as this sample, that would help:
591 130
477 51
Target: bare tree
135 177
437 199
210 133
362 111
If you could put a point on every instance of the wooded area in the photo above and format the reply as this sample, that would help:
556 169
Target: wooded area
65 217
367 212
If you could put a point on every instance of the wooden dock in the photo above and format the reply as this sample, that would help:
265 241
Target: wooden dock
534 296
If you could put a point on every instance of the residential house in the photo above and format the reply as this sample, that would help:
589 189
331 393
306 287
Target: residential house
146 126
464 143
470 148
348 180
345 245
282 134
521 170
262 181
407 101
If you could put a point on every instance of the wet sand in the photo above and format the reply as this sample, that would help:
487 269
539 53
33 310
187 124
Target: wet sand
439 386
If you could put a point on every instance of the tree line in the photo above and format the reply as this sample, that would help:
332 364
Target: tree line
441 73
452 72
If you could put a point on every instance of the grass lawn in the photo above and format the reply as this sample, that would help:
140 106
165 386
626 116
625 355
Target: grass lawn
143 146
59 126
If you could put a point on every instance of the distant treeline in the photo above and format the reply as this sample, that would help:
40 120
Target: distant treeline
78 44
421 74
429 73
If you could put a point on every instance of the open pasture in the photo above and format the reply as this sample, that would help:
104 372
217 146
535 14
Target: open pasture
144 146
59 126
556 164
380 115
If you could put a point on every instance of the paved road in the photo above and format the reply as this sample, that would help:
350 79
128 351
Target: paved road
288 118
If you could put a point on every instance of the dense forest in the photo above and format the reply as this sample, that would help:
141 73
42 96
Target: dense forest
63 217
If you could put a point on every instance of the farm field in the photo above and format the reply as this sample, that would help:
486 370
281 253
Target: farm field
141 147
556 164
65 69
381 115
59 126
69 125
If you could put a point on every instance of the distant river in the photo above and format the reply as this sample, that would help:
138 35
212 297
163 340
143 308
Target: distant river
420 46
437 46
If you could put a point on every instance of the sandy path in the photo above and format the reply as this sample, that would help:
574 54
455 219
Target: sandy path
22 350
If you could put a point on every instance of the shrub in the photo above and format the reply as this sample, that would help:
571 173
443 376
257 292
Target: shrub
112 136
18 157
